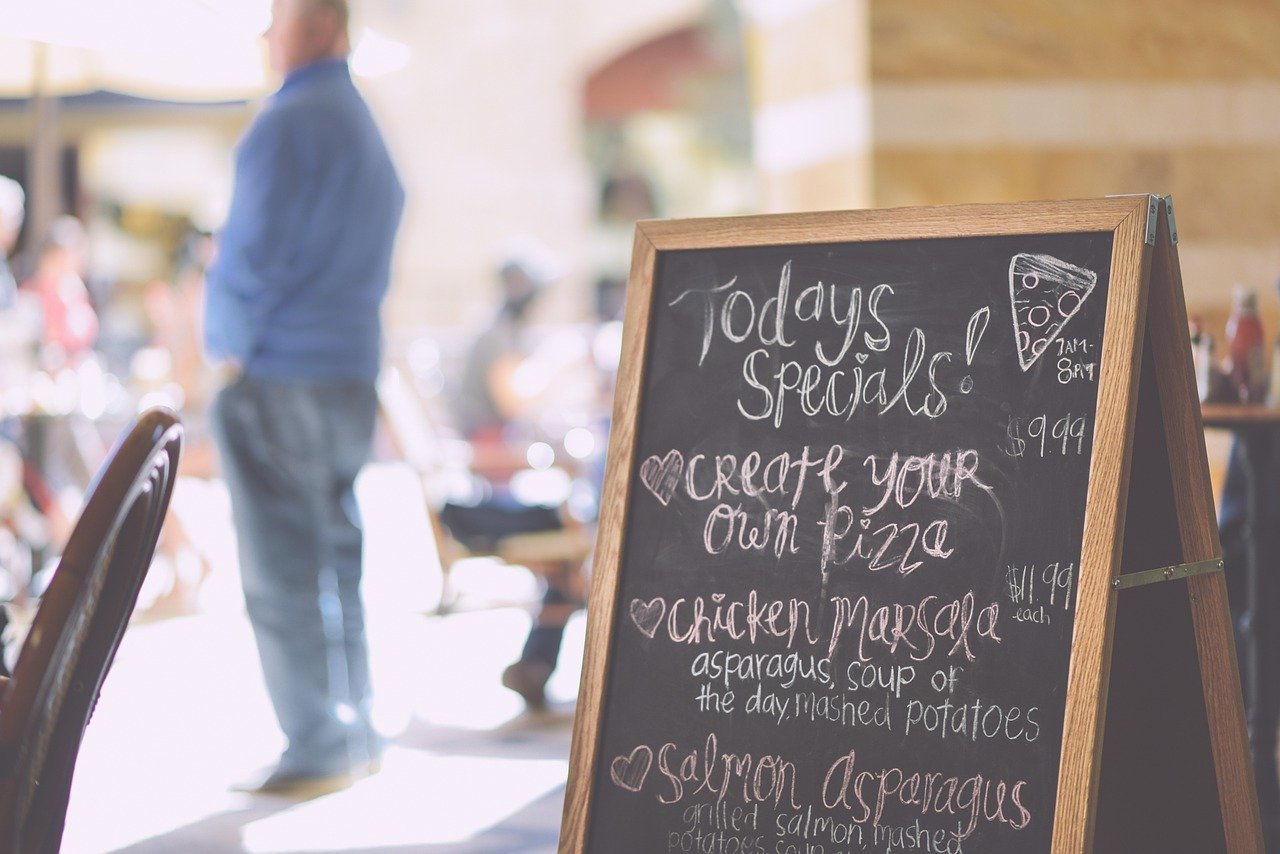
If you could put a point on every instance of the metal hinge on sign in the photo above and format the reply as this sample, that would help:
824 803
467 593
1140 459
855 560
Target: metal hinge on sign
1153 208
1173 223
1167 573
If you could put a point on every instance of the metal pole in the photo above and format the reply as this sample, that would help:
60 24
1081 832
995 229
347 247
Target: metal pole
44 169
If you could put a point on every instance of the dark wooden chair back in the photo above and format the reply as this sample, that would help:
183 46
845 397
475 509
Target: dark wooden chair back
77 629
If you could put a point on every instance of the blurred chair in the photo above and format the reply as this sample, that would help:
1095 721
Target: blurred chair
422 444
76 630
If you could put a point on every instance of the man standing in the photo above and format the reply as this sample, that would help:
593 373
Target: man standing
293 318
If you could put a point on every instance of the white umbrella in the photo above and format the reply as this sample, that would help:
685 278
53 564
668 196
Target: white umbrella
187 50
174 50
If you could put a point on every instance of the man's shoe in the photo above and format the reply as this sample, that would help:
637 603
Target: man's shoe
528 678
291 784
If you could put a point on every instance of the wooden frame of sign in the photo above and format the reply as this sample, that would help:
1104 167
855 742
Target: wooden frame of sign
1151 664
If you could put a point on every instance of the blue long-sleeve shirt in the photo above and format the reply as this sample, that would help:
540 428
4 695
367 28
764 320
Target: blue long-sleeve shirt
304 259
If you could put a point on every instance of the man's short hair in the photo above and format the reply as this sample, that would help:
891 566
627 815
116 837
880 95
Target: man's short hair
341 10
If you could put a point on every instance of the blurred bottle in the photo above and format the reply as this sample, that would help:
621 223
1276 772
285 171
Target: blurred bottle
1246 355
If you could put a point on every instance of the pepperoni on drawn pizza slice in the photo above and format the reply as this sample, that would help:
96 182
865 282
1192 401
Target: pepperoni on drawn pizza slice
1046 293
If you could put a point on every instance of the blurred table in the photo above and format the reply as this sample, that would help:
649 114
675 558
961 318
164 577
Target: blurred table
1230 416
1251 543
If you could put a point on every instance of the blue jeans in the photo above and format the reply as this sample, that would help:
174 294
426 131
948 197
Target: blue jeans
290 453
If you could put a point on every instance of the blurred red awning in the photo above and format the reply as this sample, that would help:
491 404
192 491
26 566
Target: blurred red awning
650 76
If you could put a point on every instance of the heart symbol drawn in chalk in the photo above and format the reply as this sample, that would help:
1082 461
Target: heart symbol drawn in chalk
861 357
647 615
628 772
660 476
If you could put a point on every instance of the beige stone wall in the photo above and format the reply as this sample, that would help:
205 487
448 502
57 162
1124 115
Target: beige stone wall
1028 99
486 127
810 79
1106 41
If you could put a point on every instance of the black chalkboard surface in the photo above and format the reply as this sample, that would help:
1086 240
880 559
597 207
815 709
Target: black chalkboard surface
866 470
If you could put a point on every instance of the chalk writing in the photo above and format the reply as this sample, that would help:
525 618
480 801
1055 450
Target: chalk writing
1044 435
1039 592
838 376
917 628
863 794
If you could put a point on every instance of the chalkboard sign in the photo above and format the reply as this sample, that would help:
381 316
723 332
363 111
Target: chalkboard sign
854 584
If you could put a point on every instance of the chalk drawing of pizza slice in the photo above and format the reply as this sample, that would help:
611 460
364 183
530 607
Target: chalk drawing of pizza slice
1046 293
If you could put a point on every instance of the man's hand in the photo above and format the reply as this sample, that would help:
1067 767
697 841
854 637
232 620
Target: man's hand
228 371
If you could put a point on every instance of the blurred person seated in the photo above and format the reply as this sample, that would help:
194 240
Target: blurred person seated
493 409
70 324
